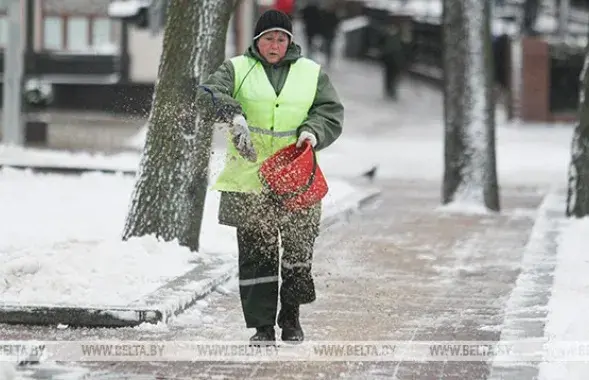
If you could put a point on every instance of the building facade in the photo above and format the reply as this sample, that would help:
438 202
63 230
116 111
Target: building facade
94 61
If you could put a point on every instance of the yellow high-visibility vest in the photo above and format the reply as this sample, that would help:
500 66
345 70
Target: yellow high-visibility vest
272 119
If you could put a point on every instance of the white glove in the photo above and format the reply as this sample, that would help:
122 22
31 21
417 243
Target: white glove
242 138
309 137
238 126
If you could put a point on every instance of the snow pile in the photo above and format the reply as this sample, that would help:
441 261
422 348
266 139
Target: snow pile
126 8
11 155
37 210
60 241
569 305
7 370
74 272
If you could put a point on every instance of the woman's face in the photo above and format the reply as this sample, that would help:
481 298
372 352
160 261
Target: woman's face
272 46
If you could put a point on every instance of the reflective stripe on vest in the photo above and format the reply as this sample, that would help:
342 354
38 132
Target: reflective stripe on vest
273 120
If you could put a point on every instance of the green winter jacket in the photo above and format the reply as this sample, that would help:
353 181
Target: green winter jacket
326 116
324 120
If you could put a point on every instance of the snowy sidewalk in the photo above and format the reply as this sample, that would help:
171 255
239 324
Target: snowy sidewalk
404 270
549 304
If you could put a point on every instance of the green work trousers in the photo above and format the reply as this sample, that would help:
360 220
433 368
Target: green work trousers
260 263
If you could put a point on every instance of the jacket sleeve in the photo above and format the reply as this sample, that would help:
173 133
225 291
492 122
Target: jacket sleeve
216 94
326 116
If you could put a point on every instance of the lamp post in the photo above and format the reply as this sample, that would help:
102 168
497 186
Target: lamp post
19 58
12 120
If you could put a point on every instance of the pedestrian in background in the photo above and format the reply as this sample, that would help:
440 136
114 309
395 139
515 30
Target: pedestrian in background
276 98
285 6
331 14
392 58
321 20
311 16
531 9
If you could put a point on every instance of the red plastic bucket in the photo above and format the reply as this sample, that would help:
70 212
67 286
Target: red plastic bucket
294 178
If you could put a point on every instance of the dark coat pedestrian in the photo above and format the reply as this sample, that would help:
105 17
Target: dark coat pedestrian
321 20
392 58
531 9
331 14
311 15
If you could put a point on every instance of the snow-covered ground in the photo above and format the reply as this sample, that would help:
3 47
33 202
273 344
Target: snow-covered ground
417 153
569 305
60 241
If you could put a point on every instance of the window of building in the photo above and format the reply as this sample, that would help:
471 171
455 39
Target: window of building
78 34
101 32
53 33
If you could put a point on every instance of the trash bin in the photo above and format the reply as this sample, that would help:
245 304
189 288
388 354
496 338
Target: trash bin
36 132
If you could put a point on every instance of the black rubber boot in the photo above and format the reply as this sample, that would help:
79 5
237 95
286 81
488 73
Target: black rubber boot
264 335
288 320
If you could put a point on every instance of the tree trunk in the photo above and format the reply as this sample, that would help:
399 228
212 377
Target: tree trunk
578 186
470 174
170 191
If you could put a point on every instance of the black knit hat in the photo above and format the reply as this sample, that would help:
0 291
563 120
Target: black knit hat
271 20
